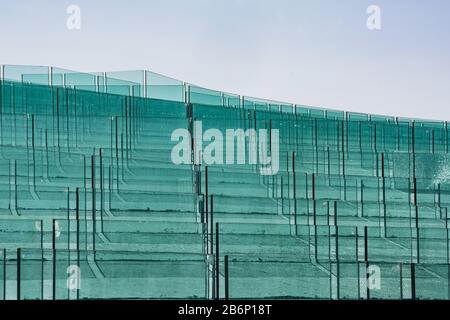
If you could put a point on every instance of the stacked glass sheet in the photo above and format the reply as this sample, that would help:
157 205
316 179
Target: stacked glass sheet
93 205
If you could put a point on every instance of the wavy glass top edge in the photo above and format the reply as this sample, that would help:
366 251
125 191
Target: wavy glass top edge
149 84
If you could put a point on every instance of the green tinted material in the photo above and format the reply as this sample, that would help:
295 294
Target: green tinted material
161 87
92 205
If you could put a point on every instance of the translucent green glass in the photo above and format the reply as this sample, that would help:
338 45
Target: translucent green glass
93 205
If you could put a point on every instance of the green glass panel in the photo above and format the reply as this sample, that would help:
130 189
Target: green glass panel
93 205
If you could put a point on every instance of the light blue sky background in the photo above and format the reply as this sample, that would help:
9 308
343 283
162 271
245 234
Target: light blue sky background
316 52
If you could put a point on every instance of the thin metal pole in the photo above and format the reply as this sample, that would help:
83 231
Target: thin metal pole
4 273
93 201
227 292
19 256
212 225
413 281
217 269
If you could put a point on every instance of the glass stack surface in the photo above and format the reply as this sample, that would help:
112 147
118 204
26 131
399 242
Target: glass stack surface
133 185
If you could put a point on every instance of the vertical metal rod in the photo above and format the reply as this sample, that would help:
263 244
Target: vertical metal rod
111 140
77 211
85 185
68 226
384 194
27 116
432 141
294 193
375 137
93 201
57 119
101 191
314 197
53 234
336 228
33 147
446 137
338 282
4 273
413 281
67 122
227 292
19 256
206 194
270 137
76 116
211 223
121 155
211 245
54 275
417 234
413 149
439 195
46 151
42 259
415 191
117 153
128 99
335 217
110 186
15 186
366 259
217 269
366 248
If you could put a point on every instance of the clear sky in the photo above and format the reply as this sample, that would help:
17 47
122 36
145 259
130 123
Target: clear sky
316 52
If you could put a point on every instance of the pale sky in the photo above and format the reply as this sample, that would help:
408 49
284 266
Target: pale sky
316 52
